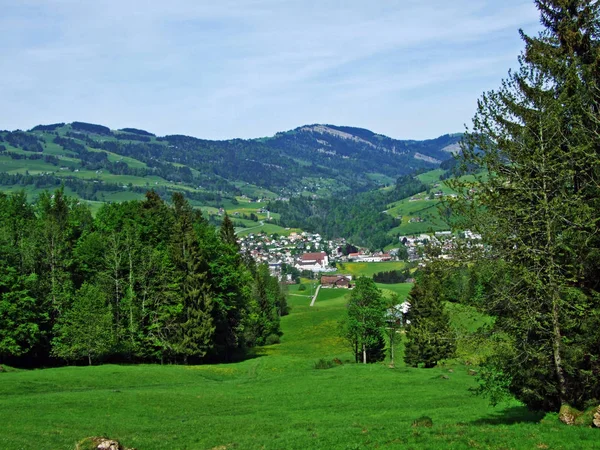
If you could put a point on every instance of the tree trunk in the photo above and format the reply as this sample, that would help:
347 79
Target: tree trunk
364 351
392 347
556 341
89 359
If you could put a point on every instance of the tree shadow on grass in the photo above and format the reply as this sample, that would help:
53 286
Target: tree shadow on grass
510 416
253 353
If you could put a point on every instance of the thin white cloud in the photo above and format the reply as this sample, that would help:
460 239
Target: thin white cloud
246 67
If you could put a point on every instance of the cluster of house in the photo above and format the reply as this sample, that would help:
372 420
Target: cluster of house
310 252
363 256
305 251
443 241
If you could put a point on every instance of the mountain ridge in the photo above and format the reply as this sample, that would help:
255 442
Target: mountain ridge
317 160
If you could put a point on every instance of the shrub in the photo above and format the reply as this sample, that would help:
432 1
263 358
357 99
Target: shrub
324 364
423 421
272 339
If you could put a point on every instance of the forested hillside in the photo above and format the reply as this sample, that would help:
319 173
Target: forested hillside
361 217
100 164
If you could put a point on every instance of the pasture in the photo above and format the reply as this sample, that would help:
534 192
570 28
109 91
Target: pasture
368 269
274 400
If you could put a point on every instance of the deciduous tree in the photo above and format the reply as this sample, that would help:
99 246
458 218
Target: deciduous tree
365 322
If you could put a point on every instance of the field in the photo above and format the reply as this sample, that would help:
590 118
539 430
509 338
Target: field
430 177
402 289
368 269
276 400
423 207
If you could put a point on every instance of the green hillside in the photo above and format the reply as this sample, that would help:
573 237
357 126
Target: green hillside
273 401
318 178
314 160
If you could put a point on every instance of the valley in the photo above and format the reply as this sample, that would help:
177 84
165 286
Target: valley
276 399
243 178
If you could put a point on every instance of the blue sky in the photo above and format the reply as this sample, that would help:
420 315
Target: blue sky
248 68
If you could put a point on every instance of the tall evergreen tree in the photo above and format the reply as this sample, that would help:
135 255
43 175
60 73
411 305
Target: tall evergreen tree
197 325
538 210
263 317
227 232
429 338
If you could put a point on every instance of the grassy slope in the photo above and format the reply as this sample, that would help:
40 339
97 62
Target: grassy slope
422 207
275 401
368 269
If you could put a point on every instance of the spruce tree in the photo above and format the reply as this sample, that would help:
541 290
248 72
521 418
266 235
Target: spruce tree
429 338
537 209
227 232
196 327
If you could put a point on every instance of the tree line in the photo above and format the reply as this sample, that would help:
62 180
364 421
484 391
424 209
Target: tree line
141 281
392 276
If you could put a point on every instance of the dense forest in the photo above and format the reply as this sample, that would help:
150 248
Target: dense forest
142 281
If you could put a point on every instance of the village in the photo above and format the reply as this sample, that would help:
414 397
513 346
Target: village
312 255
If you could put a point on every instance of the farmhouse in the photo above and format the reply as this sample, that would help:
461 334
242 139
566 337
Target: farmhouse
336 281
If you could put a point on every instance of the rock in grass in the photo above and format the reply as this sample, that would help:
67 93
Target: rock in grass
423 421
596 417
444 377
586 418
99 443
568 415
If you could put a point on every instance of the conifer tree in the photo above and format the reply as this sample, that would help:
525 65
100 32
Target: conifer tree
196 325
429 338
227 232
537 209
263 317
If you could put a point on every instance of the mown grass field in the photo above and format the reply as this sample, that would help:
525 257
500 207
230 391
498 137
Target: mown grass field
402 289
277 400
427 210
368 269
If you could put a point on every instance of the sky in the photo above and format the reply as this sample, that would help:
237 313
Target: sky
220 69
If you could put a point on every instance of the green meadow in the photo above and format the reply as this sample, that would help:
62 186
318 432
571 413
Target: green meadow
423 208
368 269
265 227
275 400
